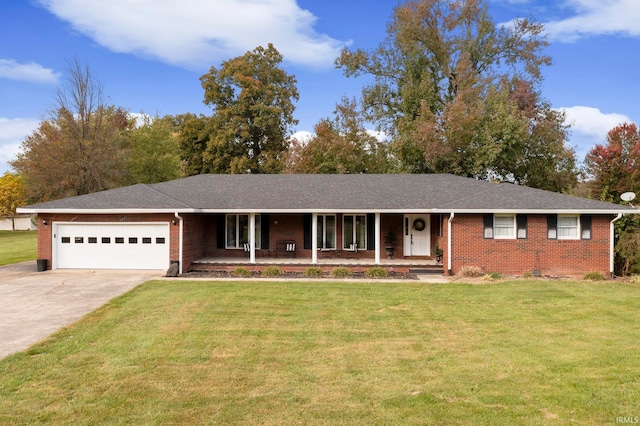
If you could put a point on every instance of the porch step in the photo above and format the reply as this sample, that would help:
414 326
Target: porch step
435 269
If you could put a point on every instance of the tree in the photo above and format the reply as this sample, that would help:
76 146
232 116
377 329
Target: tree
80 148
154 154
253 102
614 166
193 137
458 94
341 145
11 194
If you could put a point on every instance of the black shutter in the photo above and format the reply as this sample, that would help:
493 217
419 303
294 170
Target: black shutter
306 223
487 220
521 226
220 225
371 231
585 227
552 226
264 231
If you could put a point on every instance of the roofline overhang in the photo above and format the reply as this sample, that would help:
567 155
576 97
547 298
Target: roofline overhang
327 211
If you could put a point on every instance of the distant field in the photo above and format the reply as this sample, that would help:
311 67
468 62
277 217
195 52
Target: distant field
18 246
329 353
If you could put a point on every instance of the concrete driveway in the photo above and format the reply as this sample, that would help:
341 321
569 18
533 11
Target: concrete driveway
34 305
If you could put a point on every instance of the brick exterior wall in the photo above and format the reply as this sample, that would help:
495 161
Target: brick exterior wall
535 254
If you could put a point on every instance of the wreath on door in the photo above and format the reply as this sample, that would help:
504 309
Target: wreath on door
419 225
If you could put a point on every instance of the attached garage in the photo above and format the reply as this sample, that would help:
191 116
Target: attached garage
110 245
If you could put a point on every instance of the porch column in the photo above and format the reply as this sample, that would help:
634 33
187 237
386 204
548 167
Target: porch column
252 238
377 234
314 238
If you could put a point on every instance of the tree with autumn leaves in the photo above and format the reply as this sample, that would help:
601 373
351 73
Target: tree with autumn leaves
613 168
12 194
458 94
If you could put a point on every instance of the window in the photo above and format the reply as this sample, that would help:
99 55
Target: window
106 240
159 240
567 227
354 231
119 240
66 240
326 231
504 226
133 240
146 240
78 240
237 227
92 240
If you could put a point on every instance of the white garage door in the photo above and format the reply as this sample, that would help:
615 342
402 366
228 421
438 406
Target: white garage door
111 246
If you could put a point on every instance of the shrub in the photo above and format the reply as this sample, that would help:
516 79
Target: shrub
471 271
634 279
528 274
312 271
593 276
376 272
492 276
340 272
241 271
272 271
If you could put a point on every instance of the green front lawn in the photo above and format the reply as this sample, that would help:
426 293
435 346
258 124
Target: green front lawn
518 352
18 246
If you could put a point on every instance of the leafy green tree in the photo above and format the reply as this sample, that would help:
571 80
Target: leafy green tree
11 194
154 152
253 103
458 94
193 137
341 145
80 148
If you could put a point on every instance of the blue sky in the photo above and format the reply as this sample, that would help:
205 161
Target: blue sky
149 55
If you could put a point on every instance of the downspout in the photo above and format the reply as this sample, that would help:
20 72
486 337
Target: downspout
180 242
451 215
611 242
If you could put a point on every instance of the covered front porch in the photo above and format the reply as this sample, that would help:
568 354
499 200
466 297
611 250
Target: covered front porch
295 241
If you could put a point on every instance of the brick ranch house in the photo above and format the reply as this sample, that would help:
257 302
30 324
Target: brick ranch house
297 221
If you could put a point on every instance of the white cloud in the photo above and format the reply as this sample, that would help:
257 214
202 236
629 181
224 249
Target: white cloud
589 126
33 72
197 33
12 133
591 122
302 136
596 17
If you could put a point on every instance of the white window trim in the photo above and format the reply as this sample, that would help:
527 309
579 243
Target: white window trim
354 215
577 227
513 227
323 243
239 244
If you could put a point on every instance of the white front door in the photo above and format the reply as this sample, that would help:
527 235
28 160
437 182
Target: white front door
417 235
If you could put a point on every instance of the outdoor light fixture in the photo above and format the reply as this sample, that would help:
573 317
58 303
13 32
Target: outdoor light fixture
44 222
174 221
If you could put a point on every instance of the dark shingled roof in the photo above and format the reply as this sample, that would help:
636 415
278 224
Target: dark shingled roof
290 192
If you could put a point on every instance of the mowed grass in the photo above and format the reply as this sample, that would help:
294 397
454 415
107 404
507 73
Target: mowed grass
193 352
18 246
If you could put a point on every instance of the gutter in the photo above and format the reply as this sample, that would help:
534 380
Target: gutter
180 242
612 242
451 216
